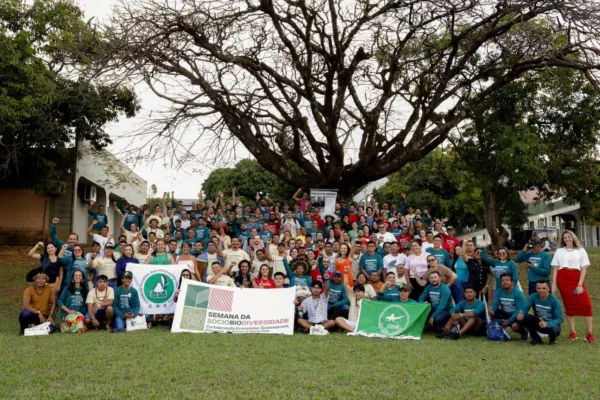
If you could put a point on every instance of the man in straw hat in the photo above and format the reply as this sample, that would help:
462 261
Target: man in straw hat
39 304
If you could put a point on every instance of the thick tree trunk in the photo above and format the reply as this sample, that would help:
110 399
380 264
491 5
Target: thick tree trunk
491 212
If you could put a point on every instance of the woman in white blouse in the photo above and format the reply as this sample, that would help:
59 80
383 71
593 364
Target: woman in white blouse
570 264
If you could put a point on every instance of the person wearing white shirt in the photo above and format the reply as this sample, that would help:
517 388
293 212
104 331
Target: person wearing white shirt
569 269
102 238
384 236
394 262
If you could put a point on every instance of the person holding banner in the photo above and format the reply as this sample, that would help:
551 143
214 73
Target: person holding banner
438 295
264 280
404 290
160 255
218 278
389 291
127 304
243 277
315 308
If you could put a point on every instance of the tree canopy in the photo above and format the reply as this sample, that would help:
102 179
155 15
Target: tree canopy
248 178
45 104
332 93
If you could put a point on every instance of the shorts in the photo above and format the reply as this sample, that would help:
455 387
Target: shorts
351 324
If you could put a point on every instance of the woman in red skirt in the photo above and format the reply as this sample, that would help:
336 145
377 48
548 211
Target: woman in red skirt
570 264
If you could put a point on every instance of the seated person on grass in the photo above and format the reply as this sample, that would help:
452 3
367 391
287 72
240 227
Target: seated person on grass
72 302
100 304
127 302
469 315
508 302
39 304
439 296
315 308
355 295
389 291
338 304
547 314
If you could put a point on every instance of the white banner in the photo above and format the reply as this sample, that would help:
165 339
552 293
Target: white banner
208 308
156 285
324 199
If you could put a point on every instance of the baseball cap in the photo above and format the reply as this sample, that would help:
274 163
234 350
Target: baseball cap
302 246
109 246
535 242
450 228
127 274
337 273
403 286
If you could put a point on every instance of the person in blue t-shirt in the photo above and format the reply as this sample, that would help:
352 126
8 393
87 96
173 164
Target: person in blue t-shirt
547 314
468 315
405 294
443 258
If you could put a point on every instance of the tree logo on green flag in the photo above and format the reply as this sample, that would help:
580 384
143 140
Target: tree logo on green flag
393 320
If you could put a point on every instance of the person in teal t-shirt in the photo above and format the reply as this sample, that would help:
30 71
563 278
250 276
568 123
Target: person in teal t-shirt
547 314
389 291
439 296
127 302
501 266
371 261
100 217
468 315
508 302
405 294
538 263
442 255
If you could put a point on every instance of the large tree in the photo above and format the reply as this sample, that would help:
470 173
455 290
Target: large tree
542 133
248 178
46 102
440 184
337 93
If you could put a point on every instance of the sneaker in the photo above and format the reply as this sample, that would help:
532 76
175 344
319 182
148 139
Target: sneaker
525 337
454 336
552 342
573 336
441 335
589 338
535 342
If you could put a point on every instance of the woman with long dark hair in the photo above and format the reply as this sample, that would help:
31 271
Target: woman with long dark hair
265 278
569 269
127 257
72 304
50 263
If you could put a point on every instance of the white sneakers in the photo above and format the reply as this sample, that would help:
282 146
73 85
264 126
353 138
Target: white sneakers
318 330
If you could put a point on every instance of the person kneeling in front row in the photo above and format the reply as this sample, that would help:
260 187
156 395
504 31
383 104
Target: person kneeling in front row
468 315
100 304
127 304
547 316
39 304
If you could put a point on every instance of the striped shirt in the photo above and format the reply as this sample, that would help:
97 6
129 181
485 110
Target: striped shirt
316 310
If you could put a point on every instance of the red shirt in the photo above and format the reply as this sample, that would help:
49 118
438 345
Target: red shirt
451 242
319 220
404 239
266 283
352 218
273 227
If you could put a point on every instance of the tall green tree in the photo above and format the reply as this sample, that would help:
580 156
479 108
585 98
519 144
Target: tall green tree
439 184
46 104
540 132
248 178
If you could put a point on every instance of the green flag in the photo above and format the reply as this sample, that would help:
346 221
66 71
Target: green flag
391 320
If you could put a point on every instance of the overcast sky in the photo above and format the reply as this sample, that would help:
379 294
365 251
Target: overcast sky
185 182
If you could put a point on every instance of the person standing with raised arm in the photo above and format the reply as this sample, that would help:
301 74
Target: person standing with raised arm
100 217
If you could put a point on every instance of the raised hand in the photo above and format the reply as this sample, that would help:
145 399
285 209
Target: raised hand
55 221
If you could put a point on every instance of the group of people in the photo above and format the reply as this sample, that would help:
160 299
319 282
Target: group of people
393 253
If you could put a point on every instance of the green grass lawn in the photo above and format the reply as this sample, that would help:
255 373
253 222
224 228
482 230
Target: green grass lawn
161 365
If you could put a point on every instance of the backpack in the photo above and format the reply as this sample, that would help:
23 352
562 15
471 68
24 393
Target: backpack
496 332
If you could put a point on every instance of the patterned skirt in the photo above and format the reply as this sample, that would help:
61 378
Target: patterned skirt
73 323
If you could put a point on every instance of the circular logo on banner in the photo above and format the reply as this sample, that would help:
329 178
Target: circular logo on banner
158 287
393 320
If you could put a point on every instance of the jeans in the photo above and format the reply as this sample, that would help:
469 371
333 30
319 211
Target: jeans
531 323
441 319
120 324
457 292
504 315
27 317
